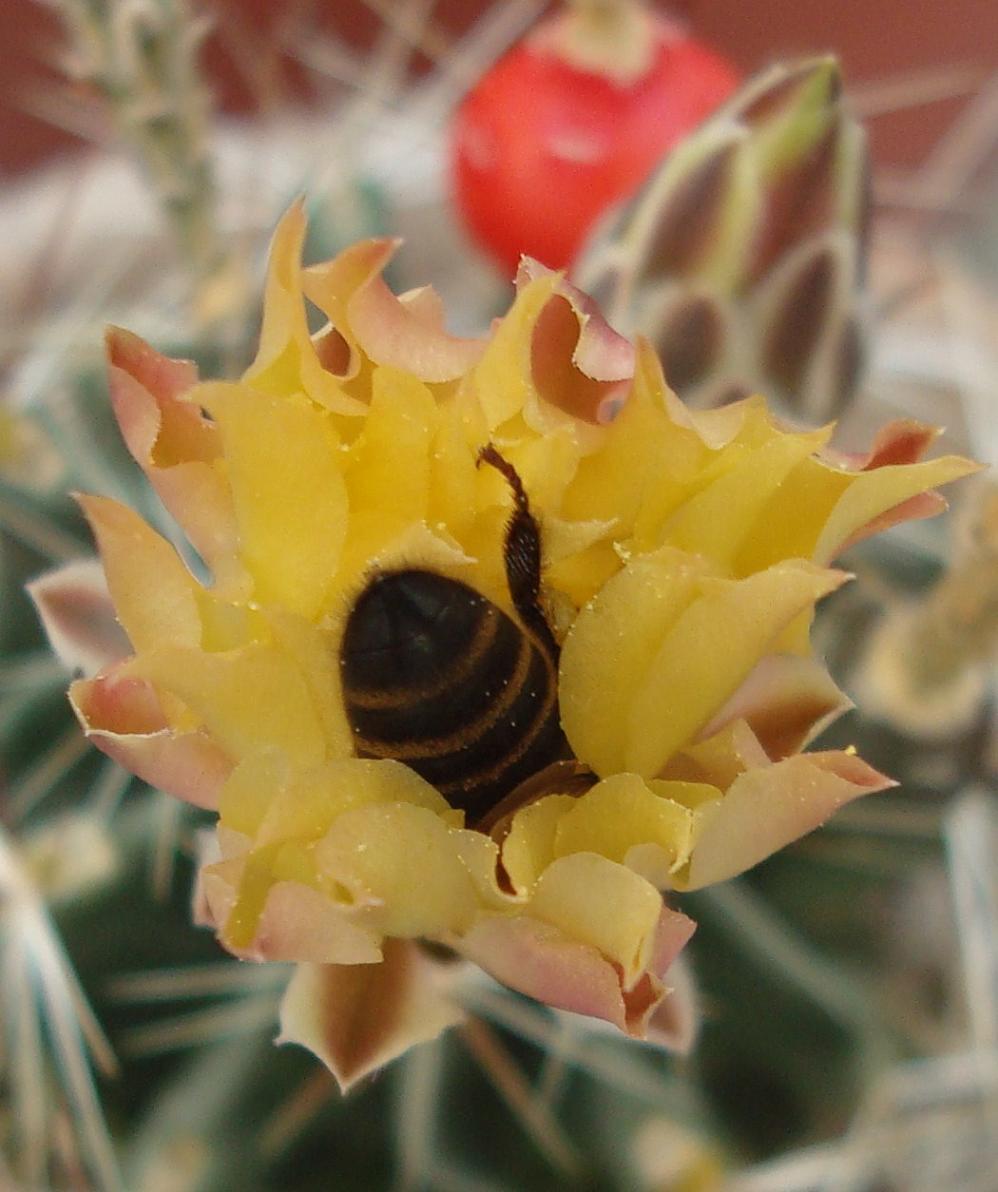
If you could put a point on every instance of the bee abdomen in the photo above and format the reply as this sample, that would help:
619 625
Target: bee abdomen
437 676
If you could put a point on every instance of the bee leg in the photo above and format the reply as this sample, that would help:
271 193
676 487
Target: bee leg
522 555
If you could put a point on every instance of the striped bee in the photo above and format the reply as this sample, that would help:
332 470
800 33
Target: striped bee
438 677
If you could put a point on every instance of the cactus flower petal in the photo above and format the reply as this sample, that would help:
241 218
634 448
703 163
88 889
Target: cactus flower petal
546 962
357 1018
679 559
123 716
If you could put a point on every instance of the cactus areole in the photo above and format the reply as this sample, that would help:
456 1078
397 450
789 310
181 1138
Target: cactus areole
572 120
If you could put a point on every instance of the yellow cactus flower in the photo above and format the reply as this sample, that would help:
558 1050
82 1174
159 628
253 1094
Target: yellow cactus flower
500 644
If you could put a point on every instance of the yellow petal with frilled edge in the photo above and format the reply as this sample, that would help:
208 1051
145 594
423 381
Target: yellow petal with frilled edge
611 647
820 508
403 860
287 361
305 806
529 847
246 699
389 469
452 480
502 376
290 497
642 451
769 806
286 813
709 651
717 520
624 811
602 904
153 592
316 651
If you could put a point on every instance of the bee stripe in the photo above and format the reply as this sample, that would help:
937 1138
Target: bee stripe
464 666
489 765
426 747
456 709
438 677
546 723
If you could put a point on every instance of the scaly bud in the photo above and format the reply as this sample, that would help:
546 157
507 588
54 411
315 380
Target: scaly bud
742 257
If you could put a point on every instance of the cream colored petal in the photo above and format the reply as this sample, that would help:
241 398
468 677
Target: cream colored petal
768 807
154 594
358 1018
709 651
290 496
398 334
403 857
602 904
903 441
611 647
675 1023
623 811
245 699
579 364
332 284
123 717
540 961
720 758
529 847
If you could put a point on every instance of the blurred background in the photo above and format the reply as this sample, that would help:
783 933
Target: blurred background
253 57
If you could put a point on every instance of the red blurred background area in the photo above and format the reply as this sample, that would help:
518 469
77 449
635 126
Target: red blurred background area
889 48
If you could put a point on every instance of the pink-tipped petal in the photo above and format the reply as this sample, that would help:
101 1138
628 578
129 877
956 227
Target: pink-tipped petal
123 717
173 443
770 806
404 333
163 378
538 960
78 616
301 924
675 1022
903 441
787 700
357 1018
578 362
916 508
